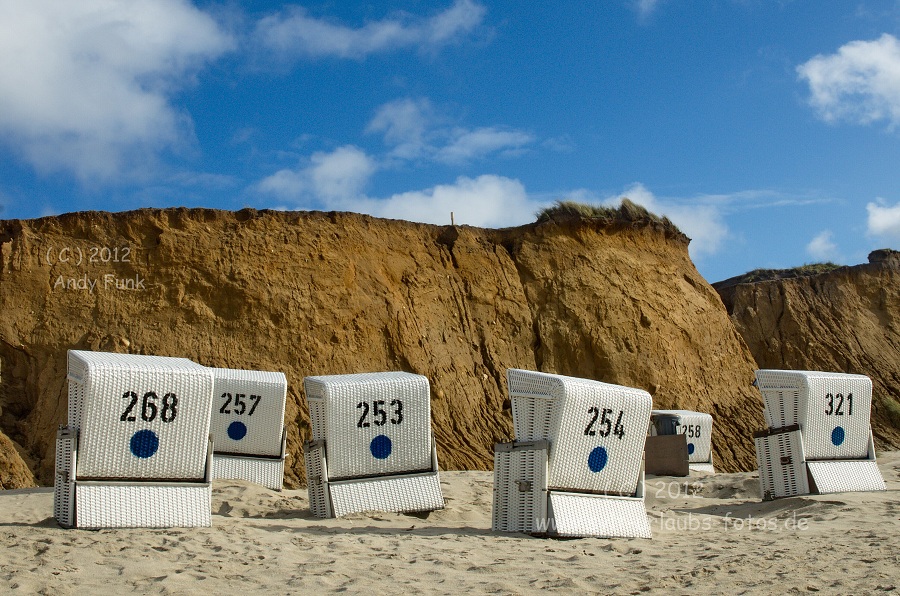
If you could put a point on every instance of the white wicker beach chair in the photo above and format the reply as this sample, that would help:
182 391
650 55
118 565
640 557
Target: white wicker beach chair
578 454
372 446
136 451
819 433
697 429
247 426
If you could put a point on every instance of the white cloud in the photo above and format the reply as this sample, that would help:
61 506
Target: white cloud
822 247
336 180
466 145
646 7
561 144
340 174
329 177
860 83
415 131
486 201
701 221
884 220
405 124
295 34
85 86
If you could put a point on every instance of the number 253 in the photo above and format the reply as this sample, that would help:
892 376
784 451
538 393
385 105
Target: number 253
379 415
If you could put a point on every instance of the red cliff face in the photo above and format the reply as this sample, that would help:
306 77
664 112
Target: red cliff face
845 320
333 293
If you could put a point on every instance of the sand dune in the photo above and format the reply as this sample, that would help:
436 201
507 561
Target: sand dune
711 534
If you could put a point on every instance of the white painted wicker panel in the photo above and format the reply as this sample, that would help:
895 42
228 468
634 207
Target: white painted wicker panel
252 423
167 439
532 417
612 463
834 425
405 494
696 426
317 478
520 487
706 468
123 505
317 418
845 476
781 396
598 515
375 423
842 434
76 398
533 396
77 369
782 465
268 472
64 477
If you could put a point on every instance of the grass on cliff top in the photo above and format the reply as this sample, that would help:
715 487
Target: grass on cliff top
808 270
627 212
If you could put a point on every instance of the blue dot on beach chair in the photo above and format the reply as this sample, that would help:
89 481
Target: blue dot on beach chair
237 430
380 447
837 435
144 443
597 459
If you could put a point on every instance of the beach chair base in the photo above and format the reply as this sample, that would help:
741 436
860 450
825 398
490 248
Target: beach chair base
845 476
401 493
706 468
524 503
841 476
266 471
142 505
125 503
575 514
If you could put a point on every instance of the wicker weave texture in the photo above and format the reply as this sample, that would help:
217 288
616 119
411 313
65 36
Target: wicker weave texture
141 417
520 488
832 409
317 478
845 476
64 485
317 418
597 430
76 401
781 396
402 494
375 423
533 396
840 435
265 472
782 465
112 505
597 515
696 426
248 411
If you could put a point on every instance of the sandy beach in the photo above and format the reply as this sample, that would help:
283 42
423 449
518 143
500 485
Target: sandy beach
711 534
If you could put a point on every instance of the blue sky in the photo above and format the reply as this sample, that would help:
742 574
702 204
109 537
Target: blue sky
768 131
